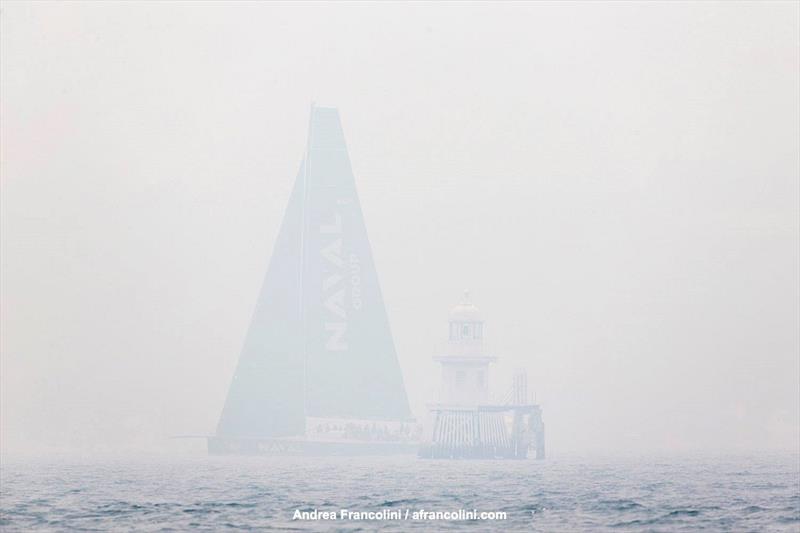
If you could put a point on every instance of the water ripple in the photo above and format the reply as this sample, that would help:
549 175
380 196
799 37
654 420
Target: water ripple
212 494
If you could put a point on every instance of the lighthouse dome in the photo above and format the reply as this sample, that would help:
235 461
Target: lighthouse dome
466 311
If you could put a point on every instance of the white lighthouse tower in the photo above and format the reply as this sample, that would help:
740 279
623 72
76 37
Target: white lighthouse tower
464 425
465 367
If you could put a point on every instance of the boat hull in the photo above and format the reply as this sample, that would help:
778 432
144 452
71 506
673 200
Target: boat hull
304 447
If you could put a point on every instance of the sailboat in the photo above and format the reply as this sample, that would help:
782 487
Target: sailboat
318 372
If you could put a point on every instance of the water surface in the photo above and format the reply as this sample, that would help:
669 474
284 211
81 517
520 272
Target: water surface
746 493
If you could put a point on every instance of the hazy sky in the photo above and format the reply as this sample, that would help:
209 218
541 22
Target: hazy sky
616 183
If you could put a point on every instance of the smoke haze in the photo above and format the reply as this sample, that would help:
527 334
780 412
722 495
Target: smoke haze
617 185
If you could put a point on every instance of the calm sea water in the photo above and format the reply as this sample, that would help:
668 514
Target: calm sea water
748 493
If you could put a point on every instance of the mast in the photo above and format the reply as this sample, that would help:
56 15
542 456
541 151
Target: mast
301 273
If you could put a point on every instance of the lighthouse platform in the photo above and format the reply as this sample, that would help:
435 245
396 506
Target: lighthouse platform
485 432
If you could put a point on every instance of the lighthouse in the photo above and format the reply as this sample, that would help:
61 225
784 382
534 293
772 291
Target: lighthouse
465 366
464 424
